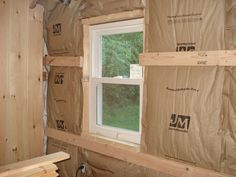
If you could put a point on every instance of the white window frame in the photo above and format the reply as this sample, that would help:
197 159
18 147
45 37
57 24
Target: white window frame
96 31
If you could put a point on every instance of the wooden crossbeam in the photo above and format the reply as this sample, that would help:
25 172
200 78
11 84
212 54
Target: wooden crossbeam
209 58
114 17
126 154
63 61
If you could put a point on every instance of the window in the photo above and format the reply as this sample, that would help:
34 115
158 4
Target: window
116 80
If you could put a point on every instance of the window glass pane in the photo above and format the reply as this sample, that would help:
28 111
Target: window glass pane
119 106
119 51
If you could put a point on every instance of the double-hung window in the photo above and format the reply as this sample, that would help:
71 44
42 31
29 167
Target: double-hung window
116 80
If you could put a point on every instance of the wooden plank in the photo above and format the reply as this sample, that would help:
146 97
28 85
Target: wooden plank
37 171
114 17
146 22
5 152
209 58
85 83
34 121
21 126
63 61
109 149
17 75
48 174
19 167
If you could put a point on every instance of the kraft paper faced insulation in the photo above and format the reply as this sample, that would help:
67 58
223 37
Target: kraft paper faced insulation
63 28
229 112
183 117
230 24
189 114
65 99
185 25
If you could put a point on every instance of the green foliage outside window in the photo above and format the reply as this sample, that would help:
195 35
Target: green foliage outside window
121 102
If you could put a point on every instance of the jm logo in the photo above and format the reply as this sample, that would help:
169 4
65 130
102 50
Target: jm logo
56 29
61 124
59 78
179 122
185 47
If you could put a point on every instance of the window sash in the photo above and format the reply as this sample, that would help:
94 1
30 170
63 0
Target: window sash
96 113
96 32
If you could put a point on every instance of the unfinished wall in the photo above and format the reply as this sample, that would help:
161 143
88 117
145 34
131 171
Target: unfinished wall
198 97
67 41
196 30
63 31
96 165
21 127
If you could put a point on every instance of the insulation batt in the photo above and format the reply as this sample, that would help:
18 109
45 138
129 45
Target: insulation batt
190 109
184 114
65 99
230 24
185 25
63 31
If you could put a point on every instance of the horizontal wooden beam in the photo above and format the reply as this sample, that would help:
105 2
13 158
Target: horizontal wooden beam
114 17
209 58
15 168
63 61
119 152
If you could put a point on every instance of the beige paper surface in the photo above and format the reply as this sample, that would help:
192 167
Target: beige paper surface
65 99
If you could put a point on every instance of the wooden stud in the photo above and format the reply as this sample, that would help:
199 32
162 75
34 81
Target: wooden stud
114 17
63 61
85 80
146 29
209 58
110 149
45 76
